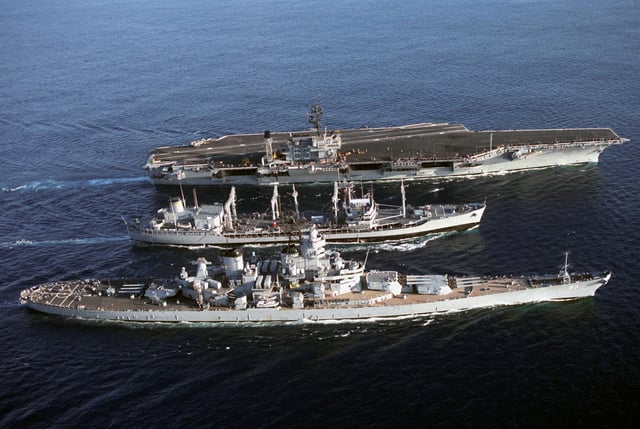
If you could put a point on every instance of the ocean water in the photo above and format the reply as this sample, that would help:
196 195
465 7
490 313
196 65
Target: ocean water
88 88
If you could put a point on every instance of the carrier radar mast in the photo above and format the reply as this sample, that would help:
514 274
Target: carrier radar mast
314 116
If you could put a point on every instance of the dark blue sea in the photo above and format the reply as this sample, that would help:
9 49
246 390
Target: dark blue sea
87 88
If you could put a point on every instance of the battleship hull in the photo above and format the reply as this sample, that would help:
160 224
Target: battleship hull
559 292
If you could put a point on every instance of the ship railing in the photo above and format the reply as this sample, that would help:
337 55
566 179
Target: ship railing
386 218
406 162
561 145
193 232
541 146
378 227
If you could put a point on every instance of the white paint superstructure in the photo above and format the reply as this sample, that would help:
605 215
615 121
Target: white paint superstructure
353 219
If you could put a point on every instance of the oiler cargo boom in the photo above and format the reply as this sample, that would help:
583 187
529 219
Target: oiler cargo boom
353 219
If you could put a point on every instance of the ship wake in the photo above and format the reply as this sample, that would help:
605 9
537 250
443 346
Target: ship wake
51 184
65 242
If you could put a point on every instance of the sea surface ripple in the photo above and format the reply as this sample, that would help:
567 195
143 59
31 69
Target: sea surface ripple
88 88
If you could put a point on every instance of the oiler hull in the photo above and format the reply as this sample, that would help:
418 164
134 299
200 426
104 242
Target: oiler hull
196 238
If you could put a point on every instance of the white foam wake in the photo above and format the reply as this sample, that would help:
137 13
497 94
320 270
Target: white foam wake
72 241
43 185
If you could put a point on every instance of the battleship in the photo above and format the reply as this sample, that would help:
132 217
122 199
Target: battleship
352 219
305 284
409 152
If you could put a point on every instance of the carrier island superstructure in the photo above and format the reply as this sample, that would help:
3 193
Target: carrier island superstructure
410 152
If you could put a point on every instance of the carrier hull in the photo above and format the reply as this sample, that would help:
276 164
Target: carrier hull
411 152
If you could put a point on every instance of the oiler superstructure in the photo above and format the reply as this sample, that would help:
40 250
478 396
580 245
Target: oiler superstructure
352 219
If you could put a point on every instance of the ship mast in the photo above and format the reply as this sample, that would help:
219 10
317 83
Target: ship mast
230 215
314 116
195 199
232 196
334 199
295 201
565 269
173 213
404 200
268 143
184 201
275 206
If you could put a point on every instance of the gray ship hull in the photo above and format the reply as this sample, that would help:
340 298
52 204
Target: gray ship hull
201 238
558 292
412 152
492 165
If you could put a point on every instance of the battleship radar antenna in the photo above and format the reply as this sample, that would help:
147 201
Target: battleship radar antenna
314 116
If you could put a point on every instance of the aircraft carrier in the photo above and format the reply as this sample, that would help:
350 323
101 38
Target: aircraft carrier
410 152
